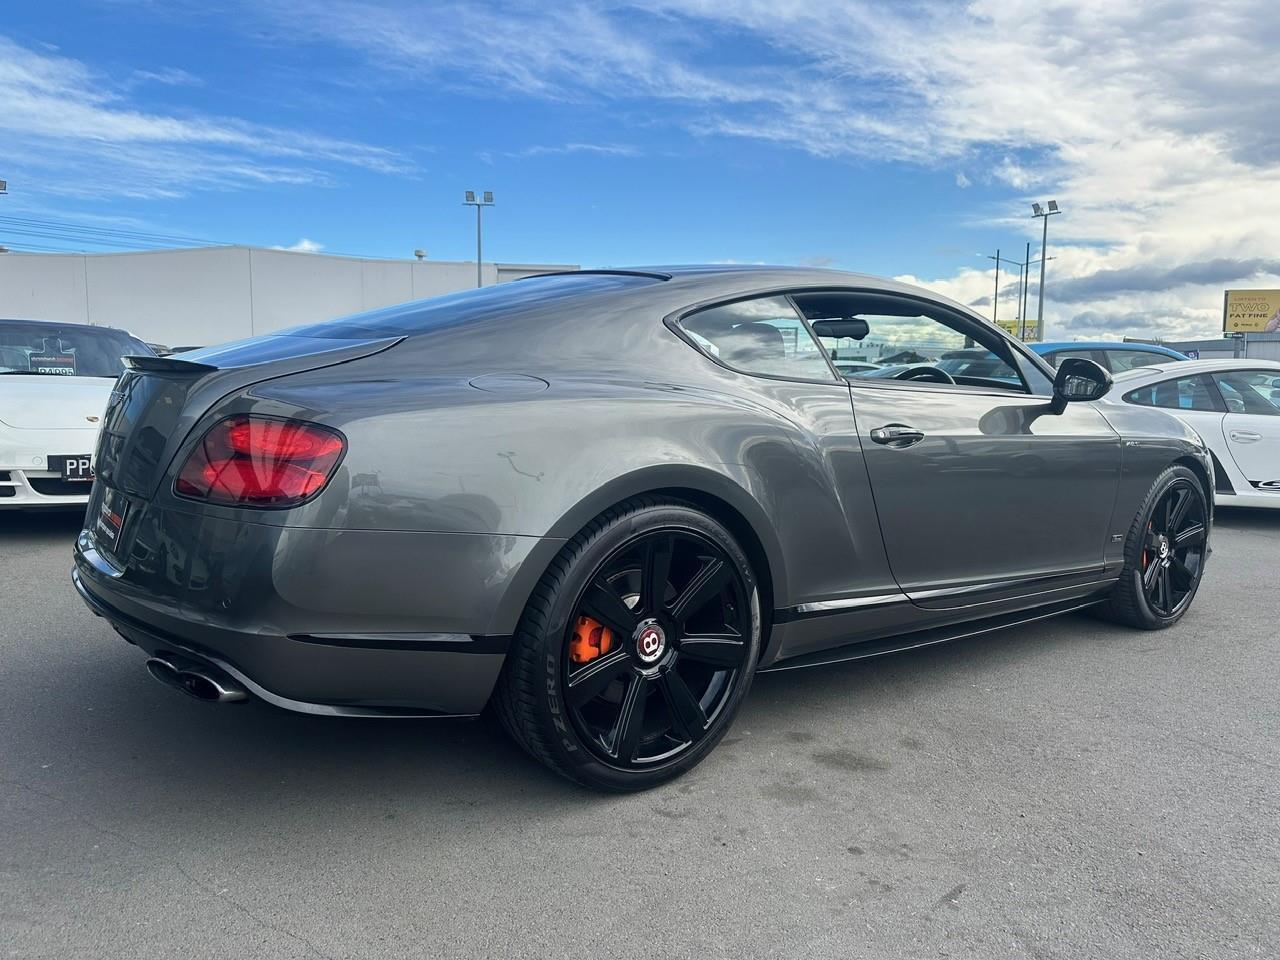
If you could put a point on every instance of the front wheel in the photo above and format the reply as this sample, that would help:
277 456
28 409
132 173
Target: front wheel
1164 554
636 648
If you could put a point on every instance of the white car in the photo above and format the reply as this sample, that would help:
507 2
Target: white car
1235 407
55 379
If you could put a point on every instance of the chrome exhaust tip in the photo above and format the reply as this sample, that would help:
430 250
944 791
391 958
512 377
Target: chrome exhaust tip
207 684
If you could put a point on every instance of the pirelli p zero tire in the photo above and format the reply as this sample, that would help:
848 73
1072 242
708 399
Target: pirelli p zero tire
636 648
1165 553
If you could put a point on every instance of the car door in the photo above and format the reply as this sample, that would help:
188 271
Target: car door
1251 426
982 491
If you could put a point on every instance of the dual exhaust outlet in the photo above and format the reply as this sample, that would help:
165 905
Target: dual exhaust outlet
202 681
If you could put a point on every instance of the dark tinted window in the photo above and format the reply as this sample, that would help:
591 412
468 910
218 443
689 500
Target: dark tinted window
1250 391
455 308
1184 393
764 336
68 350
1060 355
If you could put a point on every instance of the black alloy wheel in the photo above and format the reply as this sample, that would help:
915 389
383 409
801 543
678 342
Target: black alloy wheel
1165 553
1173 548
636 648
670 617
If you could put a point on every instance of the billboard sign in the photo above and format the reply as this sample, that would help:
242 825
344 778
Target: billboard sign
1251 311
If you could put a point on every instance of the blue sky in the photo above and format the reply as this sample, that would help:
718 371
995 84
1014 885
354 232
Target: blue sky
902 139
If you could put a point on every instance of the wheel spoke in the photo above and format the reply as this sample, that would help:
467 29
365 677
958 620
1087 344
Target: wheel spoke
1190 537
1166 590
1183 573
687 715
705 585
1151 578
657 572
1178 510
602 603
591 680
724 650
630 726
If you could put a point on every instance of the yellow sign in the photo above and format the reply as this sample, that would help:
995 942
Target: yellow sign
1016 327
1251 311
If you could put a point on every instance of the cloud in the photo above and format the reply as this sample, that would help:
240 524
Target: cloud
68 131
167 76
1147 278
303 246
599 149
962 181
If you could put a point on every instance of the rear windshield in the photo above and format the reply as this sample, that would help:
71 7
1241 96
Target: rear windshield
73 350
452 308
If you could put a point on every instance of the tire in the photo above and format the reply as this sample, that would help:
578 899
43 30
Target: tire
642 549
1136 598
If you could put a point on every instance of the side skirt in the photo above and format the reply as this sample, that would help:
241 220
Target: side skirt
926 638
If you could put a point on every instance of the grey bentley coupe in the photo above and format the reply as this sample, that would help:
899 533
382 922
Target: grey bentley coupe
598 502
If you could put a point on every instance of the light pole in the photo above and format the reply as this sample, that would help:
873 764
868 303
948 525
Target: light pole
486 200
1039 211
995 300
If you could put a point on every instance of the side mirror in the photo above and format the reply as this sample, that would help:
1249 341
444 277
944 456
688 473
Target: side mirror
1079 379
854 327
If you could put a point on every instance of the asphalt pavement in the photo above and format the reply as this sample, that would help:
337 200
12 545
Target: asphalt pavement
1068 789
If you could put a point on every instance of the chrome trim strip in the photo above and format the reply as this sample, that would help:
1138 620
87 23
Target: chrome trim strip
848 603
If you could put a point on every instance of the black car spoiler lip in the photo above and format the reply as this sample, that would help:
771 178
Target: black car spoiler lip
168 365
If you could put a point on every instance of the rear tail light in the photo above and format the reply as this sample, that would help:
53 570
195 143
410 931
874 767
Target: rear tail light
253 461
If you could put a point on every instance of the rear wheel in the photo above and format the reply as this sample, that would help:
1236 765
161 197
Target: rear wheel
1164 554
636 648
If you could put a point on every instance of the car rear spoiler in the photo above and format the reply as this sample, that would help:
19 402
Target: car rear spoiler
168 365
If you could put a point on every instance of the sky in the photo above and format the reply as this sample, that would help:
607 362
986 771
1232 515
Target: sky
903 139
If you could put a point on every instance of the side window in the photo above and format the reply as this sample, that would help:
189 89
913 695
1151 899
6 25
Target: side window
906 339
1129 359
1250 391
762 336
1185 393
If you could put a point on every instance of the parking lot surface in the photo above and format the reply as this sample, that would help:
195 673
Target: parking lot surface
1067 789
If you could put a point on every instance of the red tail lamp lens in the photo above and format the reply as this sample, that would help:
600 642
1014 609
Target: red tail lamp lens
260 462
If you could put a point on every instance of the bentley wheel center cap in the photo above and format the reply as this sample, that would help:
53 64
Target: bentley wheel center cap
651 643
1164 548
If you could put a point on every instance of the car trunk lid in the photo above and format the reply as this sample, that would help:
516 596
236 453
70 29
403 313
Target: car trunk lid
158 400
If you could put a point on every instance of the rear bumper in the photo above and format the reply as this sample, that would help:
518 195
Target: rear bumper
335 622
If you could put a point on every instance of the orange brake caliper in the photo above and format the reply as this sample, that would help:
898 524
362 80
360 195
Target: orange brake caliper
590 640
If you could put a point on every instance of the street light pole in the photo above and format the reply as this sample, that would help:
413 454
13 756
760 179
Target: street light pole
486 200
995 300
1038 211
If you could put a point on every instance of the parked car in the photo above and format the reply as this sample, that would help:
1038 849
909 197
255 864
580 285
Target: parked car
465 501
1111 355
1235 407
55 379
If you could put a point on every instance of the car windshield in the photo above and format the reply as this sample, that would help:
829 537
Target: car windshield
973 363
70 350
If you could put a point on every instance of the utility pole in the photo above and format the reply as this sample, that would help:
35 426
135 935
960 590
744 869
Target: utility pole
486 200
1038 211
995 300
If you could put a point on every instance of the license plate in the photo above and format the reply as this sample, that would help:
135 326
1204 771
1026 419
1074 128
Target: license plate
110 521
73 466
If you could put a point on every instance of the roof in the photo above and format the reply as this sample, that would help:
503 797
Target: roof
1102 345
1188 367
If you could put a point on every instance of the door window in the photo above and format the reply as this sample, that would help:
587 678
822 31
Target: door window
1095 355
1184 393
907 339
1129 359
1250 391
762 336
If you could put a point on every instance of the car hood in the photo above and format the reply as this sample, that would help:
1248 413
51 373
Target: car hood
52 402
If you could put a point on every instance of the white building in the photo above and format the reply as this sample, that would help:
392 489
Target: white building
205 295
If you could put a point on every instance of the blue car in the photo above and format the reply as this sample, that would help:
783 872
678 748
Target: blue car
1113 356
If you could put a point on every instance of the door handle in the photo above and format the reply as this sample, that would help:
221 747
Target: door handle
896 435
1245 436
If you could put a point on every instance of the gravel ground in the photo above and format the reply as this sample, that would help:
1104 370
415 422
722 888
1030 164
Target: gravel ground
1067 789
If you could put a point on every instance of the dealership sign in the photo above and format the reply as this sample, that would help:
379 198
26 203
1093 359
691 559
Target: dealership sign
1251 311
